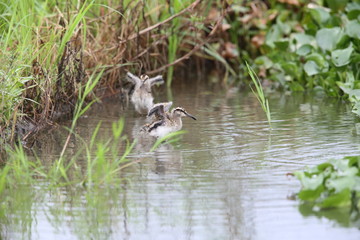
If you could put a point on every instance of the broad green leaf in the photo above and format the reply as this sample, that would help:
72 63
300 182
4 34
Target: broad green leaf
264 61
310 183
341 180
320 15
354 94
350 77
354 161
274 34
312 171
346 89
352 6
311 68
327 38
357 185
304 50
351 171
352 29
282 44
341 57
341 183
356 108
353 14
319 59
323 166
311 195
301 39
290 68
296 86
340 164
341 199
337 5
283 26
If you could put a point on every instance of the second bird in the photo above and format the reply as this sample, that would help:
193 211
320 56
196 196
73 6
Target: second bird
141 95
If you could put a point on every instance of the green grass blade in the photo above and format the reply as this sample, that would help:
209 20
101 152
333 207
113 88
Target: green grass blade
168 137
259 93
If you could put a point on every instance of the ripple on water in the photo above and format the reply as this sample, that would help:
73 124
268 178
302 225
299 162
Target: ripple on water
225 178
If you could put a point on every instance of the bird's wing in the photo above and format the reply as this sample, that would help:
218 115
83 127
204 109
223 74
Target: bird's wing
167 106
156 80
133 79
155 124
157 109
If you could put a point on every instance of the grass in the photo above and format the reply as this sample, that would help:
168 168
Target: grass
81 106
169 138
56 55
49 49
174 39
259 93
97 163
101 163
104 160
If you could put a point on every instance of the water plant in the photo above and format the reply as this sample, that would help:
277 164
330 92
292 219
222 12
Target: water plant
313 50
81 105
333 184
95 163
259 93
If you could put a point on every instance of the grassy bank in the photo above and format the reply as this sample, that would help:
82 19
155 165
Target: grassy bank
49 50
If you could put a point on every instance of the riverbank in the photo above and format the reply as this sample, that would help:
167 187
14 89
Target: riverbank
49 55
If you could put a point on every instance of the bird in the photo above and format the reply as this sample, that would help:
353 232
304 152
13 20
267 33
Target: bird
167 122
141 96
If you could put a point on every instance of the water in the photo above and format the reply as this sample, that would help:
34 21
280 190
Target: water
225 179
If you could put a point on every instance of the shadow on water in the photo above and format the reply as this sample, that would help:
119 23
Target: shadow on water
224 179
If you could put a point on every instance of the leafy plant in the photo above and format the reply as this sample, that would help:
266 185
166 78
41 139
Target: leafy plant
332 184
316 49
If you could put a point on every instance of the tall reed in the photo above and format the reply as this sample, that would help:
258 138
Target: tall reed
174 38
81 106
259 93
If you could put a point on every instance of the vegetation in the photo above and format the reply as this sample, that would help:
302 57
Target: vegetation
49 55
316 48
259 93
332 184
58 57
102 161
95 164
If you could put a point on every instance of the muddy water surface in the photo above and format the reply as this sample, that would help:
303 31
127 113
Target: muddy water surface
224 179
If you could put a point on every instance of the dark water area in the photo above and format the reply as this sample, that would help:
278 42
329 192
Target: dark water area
226 178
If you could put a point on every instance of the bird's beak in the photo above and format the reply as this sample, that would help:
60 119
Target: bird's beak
190 116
